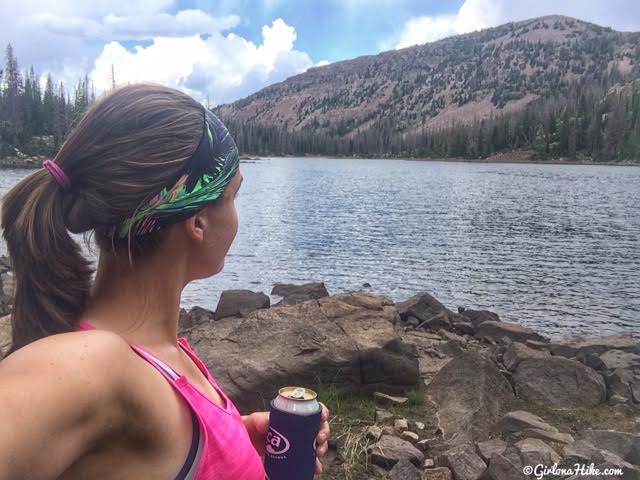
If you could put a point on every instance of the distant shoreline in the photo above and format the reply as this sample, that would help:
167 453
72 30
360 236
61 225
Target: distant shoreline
34 163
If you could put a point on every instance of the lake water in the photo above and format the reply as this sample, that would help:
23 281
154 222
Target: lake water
554 247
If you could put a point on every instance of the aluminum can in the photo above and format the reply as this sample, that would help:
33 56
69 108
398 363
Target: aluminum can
294 422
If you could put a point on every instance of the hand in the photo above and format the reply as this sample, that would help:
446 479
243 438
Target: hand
322 440
257 425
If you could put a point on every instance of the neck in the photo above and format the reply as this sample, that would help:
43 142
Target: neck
142 304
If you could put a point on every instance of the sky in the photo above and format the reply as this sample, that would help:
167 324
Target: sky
220 51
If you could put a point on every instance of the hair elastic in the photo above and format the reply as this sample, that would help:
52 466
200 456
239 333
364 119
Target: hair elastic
57 173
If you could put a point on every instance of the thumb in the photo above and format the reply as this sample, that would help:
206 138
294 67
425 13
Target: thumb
261 422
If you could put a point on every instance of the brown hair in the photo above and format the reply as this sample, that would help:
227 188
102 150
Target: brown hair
124 150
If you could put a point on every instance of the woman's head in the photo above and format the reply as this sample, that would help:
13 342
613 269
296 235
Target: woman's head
123 160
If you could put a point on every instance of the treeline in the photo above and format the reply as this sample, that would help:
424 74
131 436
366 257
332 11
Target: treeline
600 122
585 123
35 120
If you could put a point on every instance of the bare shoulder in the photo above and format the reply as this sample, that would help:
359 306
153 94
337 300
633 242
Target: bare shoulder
60 394
75 352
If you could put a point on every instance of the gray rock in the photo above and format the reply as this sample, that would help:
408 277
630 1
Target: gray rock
581 452
404 470
463 462
389 450
625 445
534 451
393 368
384 399
476 317
293 294
382 415
428 463
516 352
624 341
195 316
519 424
438 473
459 323
560 382
401 424
495 331
501 468
333 339
547 435
427 309
487 448
240 303
618 359
471 394
373 432
410 436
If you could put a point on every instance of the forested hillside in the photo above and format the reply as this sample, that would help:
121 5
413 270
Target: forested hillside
555 86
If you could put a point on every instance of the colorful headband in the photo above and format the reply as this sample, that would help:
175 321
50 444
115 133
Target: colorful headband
204 179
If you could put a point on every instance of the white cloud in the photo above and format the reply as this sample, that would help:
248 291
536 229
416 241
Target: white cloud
222 68
143 26
472 15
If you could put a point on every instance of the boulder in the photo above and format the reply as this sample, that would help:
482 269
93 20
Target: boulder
463 462
429 311
582 452
495 331
516 352
615 359
330 340
476 317
559 382
624 341
438 473
240 303
502 468
389 450
471 394
534 451
195 316
299 293
625 445
487 448
518 424
404 470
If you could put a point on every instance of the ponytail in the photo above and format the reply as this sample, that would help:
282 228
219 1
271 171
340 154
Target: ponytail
52 277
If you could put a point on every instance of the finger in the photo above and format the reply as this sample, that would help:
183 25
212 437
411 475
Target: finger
325 412
324 433
318 467
321 451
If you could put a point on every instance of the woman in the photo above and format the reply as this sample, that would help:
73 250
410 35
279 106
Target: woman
97 384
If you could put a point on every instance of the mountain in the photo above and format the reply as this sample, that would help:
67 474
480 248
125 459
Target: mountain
452 83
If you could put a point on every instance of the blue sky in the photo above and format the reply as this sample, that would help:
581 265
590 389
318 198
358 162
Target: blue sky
225 50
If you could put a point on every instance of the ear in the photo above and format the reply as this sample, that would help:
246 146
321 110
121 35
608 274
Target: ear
195 227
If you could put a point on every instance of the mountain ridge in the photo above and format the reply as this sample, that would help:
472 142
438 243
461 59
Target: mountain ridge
451 82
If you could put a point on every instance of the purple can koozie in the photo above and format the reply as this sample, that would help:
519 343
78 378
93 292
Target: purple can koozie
294 422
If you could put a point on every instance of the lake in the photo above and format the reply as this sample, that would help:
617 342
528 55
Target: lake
554 247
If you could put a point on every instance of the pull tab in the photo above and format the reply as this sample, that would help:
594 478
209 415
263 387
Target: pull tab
298 393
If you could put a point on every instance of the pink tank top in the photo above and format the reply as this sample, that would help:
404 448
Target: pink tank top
224 450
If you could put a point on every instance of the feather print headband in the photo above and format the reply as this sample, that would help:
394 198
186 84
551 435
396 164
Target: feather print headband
208 171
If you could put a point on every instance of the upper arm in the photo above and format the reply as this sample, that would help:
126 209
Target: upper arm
58 397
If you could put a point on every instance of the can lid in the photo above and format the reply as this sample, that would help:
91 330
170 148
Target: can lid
297 393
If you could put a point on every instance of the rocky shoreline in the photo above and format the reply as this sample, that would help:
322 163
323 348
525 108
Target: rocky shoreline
490 398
